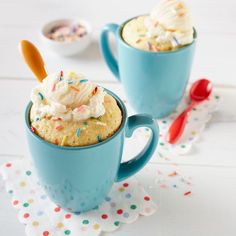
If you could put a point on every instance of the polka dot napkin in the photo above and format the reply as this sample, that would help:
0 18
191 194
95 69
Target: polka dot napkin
126 201
197 121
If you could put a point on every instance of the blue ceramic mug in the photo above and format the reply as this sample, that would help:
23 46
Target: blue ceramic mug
154 82
79 178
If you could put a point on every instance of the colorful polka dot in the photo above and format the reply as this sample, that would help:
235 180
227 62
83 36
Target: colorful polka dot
108 199
30 201
25 204
133 207
57 209
162 144
193 132
128 195
8 165
85 222
96 226
147 198
10 191
183 146
164 121
35 223
26 215
125 185
28 172
104 216
116 223
22 184
45 233
126 214
67 232
119 211
121 189
68 216
16 202
60 225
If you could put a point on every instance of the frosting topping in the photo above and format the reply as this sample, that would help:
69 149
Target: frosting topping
170 21
68 97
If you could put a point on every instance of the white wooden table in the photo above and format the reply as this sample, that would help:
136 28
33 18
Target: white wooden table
211 210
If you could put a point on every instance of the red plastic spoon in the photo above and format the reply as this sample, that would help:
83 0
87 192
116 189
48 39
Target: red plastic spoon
200 91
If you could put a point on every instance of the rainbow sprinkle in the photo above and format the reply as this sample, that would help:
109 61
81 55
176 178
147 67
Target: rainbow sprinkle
99 138
80 108
74 88
95 91
83 81
59 127
187 193
56 141
33 129
61 75
78 132
174 173
40 96
175 40
63 140
101 123
53 87
70 82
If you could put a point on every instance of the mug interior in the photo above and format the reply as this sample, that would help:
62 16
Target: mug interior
124 117
161 52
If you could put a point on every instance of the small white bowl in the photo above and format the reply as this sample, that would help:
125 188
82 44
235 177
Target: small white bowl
66 48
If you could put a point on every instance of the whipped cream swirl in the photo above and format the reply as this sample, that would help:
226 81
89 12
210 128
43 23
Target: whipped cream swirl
171 22
67 96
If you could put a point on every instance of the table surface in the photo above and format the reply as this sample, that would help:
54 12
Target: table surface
211 209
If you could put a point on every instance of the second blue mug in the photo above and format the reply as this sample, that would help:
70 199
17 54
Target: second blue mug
154 82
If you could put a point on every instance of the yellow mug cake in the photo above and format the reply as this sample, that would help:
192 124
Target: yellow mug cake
69 110
168 27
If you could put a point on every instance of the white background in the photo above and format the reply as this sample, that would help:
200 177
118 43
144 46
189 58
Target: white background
214 20
212 163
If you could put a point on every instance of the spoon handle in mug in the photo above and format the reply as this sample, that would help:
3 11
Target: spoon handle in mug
132 166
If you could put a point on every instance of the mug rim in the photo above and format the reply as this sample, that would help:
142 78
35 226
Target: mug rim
152 52
121 105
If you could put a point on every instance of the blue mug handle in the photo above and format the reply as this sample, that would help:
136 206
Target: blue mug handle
132 166
106 50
